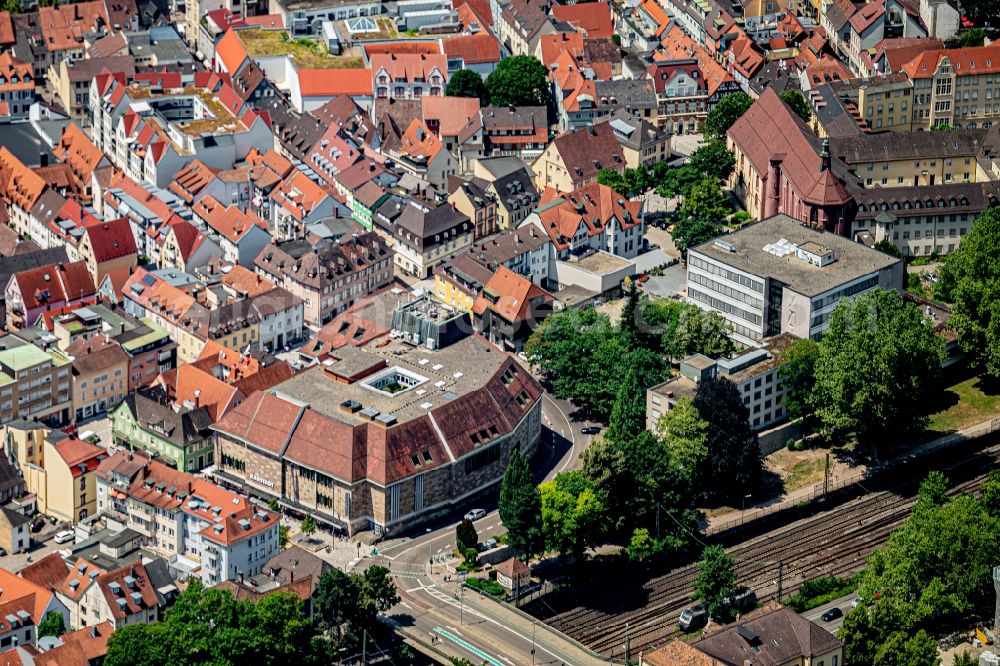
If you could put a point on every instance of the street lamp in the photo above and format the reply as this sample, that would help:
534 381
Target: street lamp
430 560
744 509
533 625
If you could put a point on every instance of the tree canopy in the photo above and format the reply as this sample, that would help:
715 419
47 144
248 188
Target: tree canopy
519 80
727 111
935 570
466 83
346 604
521 507
796 101
970 280
733 462
982 12
707 202
798 375
878 362
685 434
715 581
971 37
713 160
696 331
209 626
628 416
573 514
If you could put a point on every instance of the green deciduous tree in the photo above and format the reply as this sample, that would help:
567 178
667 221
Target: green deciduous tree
716 579
519 81
903 650
886 246
466 83
642 545
209 626
51 625
573 514
970 279
628 416
878 362
982 12
308 525
466 535
685 435
714 160
933 491
689 232
521 507
727 111
796 101
798 376
971 37
673 182
706 202
733 463
964 659
12 6
696 331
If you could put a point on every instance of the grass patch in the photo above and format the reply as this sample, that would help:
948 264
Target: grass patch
817 592
490 587
307 53
962 405
804 473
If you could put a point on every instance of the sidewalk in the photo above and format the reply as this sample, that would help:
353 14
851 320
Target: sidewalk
546 638
726 521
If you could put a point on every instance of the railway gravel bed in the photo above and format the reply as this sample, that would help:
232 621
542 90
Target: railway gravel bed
834 541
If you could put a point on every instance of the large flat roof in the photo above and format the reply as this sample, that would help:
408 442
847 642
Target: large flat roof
452 371
853 260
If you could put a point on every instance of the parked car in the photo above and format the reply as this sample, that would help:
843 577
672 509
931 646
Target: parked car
832 614
590 430
37 523
693 618
475 514
489 544
65 536
857 601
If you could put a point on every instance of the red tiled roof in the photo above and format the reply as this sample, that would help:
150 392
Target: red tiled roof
476 49
48 572
16 75
594 18
213 394
586 151
78 578
592 206
141 584
770 129
79 455
20 185
229 221
230 52
902 50
111 240
970 61
80 648
409 67
330 82
866 16
64 26
6 29
511 296
14 589
408 48
66 282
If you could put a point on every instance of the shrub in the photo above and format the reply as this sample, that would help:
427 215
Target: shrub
819 591
490 587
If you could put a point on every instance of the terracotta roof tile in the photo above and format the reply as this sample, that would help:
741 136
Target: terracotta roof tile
476 49
593 18
586 151
510 295
48 572
111 240
329 82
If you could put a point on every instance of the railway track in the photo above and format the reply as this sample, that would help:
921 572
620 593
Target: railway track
835 541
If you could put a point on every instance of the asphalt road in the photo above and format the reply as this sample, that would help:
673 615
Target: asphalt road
429 605
843 603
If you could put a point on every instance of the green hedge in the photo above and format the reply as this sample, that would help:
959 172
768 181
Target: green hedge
819 591
490 587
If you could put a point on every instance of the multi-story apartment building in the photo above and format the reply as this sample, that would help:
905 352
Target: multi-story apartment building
521 131
17 86
958 87
28 604
152 135
892 159
574 159
755 374
187 516
441 421
65 486
130 594
35 384
422 237
781 276
329 276
100 376
511 182
643 143
179 436
472 199
408 75
30 293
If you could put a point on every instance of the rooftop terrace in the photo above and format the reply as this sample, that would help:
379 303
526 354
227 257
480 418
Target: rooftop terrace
306 53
